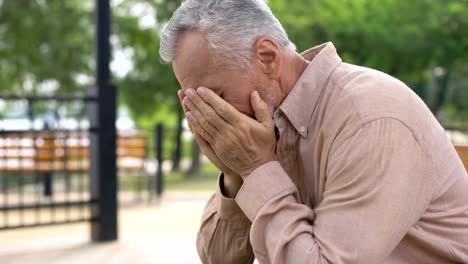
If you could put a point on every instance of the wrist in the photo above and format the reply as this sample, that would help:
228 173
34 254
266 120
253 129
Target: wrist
230 184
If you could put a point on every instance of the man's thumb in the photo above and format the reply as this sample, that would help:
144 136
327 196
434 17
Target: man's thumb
260 108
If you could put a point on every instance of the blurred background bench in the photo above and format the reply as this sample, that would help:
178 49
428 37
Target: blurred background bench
463 153
46 153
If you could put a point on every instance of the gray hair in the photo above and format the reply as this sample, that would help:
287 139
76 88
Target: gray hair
231 28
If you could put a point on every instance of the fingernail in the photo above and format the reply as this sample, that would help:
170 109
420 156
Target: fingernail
201 91
189 115
189 92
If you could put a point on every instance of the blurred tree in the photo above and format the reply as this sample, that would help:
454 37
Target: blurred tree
45 44
407 39
151 87
150 84
46 47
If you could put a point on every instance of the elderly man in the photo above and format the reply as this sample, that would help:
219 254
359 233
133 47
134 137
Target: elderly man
322 161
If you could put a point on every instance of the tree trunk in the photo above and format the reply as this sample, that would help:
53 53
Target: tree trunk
195 166
441 93
177 155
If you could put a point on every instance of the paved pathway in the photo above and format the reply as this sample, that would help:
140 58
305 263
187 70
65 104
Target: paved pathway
155 233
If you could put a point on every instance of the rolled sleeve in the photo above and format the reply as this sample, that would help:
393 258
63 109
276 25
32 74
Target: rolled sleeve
224 232
261 186
227 208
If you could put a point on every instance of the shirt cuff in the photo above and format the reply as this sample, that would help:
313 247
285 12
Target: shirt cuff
261 186
227 208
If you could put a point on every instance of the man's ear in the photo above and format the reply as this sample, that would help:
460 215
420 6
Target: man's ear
267 53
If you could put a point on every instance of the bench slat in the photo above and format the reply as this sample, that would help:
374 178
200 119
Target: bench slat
50 151
463 153
45 168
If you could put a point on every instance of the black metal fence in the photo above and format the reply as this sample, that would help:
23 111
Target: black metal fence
38 160
44 164
62 165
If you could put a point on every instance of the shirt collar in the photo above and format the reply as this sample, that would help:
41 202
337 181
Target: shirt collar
301 101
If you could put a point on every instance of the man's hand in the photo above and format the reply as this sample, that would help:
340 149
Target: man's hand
238 141
232 181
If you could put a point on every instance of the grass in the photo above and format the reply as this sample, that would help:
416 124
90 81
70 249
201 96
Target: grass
174 181
205 181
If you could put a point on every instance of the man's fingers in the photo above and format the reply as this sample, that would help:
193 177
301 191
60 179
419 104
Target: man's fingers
195 125
262 113
202 111
204 145
223 108
181 96
202 120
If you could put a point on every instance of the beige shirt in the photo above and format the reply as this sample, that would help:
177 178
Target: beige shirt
365 174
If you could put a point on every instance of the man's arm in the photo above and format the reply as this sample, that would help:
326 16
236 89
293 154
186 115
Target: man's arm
378 185
224 233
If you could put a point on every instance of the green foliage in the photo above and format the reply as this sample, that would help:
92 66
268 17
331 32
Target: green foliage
407 39
44 41
50 43
149 90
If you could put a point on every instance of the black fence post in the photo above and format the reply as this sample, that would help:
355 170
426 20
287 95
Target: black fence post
103 164
47 175
177 155
47 179
158 143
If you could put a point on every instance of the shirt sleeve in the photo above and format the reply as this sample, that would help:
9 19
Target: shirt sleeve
377 186
224 233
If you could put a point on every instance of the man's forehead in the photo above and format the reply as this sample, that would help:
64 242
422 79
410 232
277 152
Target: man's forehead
191 48
192 60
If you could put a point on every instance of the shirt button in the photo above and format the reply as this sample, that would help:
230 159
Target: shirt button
302 129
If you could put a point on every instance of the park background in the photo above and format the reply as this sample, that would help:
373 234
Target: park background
46 48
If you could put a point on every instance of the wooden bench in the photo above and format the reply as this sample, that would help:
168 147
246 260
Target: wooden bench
463 153
46 153
64 151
